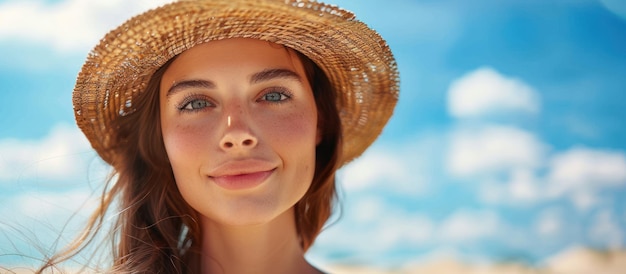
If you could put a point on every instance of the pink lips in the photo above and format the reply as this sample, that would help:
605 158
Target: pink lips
241 174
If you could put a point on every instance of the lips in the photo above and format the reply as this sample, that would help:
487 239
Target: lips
242 174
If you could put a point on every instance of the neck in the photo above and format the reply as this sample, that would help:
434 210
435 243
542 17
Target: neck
261 248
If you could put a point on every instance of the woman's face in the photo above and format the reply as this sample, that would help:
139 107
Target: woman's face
239 124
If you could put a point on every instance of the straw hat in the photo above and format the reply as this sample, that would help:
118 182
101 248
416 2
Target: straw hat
355 58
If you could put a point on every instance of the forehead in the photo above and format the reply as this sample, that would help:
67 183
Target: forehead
235 54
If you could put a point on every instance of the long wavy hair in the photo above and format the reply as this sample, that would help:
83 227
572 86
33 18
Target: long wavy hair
155 230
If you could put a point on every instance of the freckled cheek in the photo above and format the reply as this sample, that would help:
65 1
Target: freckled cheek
294 139
183 144
296 130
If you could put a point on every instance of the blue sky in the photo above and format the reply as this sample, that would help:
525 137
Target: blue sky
507 143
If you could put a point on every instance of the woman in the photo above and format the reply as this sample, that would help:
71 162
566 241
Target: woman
225 122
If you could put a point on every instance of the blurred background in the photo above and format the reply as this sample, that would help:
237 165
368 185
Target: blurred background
506 152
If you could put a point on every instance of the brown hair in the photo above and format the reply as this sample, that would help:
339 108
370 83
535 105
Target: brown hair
156 230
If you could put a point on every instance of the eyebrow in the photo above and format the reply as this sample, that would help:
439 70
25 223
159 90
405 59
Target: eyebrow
271 74
262 76
189 84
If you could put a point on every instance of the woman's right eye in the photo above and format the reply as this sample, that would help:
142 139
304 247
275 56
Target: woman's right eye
194 105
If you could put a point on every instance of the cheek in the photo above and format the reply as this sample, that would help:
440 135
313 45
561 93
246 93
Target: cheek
182 144
296 130
293 137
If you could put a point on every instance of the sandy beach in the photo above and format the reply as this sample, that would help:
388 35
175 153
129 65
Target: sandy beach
571 261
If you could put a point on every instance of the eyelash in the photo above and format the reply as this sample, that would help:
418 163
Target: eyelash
281 91
182 107
284 96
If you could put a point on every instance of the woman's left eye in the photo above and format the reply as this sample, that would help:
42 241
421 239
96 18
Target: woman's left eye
275 96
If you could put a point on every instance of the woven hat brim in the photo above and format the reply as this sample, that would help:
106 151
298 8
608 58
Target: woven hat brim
356 59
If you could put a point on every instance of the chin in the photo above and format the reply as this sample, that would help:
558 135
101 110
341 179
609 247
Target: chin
249 215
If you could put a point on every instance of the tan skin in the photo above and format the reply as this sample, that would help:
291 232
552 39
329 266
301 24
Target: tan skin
239 125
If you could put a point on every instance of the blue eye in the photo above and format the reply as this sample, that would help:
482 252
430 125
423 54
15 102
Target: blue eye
275 96
195 104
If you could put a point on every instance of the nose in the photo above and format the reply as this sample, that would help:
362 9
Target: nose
237 135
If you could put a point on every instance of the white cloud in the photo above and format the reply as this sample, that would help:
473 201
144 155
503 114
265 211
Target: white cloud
468 225
373 226
605 231
370 225
62 154
68 25
34 223
580 174
486 91
584 200
523 185
374 166
492 149
368 209
584 167
413 231
583 173
402 167
521 188
549 224
47 205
